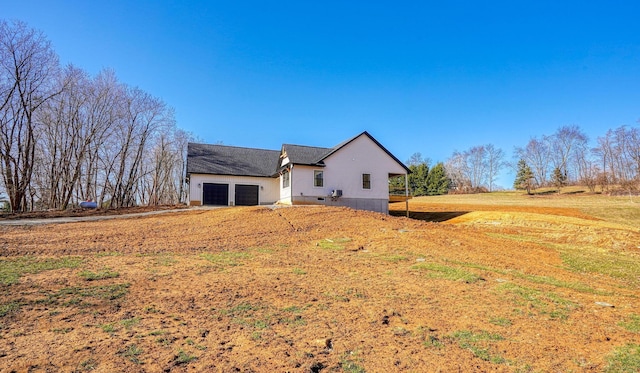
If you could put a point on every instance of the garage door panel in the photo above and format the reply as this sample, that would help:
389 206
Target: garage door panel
215 194
246 195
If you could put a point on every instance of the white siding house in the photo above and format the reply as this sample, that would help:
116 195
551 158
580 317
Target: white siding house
354 174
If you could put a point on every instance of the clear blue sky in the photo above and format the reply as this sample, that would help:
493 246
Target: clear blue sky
420 76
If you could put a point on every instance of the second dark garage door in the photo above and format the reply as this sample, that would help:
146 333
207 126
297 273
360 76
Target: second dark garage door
246 195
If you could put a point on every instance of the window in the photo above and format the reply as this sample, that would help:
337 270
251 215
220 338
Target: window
366 181
285 179
318 179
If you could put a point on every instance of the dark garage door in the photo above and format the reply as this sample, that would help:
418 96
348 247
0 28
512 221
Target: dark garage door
246 195
215 194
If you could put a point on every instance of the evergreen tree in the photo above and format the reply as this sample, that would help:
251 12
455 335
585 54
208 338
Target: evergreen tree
418 179
524 177
437 181
559 178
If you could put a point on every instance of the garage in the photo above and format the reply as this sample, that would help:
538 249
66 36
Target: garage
246 195
215 194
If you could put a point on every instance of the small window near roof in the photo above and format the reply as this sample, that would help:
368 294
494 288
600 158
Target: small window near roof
318 180
285 179
366 181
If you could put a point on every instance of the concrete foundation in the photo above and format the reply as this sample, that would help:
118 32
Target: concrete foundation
377 205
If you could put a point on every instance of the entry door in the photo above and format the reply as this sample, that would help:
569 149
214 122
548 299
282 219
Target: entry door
246 195
215 194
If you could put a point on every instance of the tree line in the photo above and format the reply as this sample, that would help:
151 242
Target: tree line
66 136
562 158
566 157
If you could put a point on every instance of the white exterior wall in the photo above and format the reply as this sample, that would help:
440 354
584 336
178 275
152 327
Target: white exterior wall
285 193
268 191
343 170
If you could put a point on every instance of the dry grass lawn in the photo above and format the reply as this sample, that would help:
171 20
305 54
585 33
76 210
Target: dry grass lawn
503 283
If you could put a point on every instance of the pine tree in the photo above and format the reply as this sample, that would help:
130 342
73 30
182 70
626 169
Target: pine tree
559 178
524 177
437 181
418 179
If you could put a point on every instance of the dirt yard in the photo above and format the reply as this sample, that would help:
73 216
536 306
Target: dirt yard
314 289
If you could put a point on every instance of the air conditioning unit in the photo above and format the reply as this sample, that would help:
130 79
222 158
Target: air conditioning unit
336 193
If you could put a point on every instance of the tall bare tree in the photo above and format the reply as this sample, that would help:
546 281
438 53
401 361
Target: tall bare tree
537 154
28 65
566 142
495 164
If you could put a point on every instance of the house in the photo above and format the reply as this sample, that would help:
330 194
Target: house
354 173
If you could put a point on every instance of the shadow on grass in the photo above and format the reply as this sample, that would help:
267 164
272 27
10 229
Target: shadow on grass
434 217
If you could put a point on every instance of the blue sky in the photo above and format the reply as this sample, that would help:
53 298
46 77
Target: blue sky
420 76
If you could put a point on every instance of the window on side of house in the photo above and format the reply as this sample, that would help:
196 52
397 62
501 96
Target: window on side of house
285 179
366 181
318 179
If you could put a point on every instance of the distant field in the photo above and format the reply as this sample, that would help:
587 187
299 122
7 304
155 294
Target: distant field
621 209
505 282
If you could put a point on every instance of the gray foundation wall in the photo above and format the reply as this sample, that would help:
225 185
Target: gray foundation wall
377 205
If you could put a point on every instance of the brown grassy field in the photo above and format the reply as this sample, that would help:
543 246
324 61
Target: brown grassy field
503 283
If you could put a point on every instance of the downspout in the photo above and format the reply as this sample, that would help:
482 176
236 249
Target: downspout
291 183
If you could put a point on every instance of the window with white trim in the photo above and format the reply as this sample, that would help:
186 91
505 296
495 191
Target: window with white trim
286 179
318 179
366 181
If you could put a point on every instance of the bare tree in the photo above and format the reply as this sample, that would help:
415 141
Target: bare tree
27 67
619 152
537 155
495 163
475 169
456 169
63 144
143 115
565 143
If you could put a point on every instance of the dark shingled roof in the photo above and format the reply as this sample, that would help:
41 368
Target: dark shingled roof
306 155
231 160
235 161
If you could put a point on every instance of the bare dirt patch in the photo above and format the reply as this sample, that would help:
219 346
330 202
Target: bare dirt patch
316 289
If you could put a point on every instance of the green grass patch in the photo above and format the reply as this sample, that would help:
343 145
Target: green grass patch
108 253
88 365
500 321
248 315
108 328
333 243
12 269
240 310
393 258
632 323
225 259
624 359
594 260
446 272
577 286
545 303
299 271
432 341
585 258
130 323
9 308
350 363
479 344
62 330
100 275
76 295
184 358
132 352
